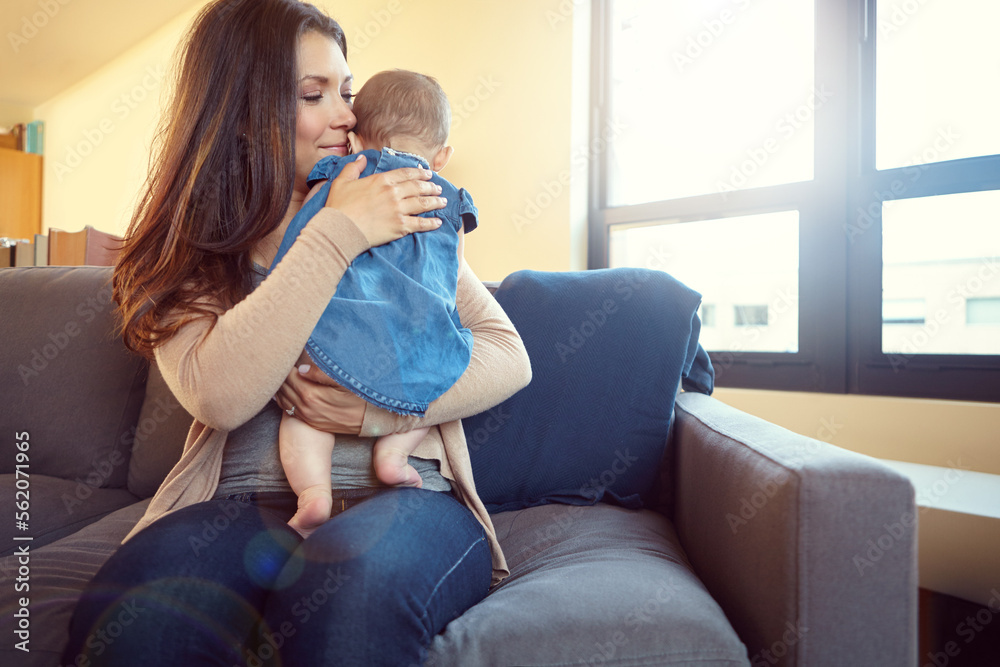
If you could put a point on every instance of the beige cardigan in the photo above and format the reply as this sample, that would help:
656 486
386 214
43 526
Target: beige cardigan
225 374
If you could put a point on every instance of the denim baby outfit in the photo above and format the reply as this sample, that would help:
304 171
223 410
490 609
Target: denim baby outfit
391 333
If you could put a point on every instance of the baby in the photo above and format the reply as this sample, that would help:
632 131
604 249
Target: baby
391 334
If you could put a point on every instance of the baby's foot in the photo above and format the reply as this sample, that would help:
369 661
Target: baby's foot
314 507
392 467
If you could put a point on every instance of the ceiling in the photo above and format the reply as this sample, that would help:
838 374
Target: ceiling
52 44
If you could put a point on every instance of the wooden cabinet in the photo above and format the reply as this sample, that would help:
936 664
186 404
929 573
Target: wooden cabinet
20 194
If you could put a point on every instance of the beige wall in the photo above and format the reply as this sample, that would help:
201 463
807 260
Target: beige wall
98 135
507 71
509 84
932 432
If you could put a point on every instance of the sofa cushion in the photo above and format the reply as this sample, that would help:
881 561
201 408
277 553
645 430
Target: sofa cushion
158 436
59 573
608 350
69 382
597 585
57 507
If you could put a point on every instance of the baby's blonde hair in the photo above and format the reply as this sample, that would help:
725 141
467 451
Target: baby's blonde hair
397 103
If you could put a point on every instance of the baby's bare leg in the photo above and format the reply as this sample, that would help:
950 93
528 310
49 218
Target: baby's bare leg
305 456
389 456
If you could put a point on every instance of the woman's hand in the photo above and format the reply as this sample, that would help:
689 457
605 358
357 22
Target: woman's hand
321 402
385 206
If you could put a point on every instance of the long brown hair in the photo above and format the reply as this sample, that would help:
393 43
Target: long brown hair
223 170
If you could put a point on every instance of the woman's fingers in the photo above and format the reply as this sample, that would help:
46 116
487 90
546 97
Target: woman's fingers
321 402
287 395
385 206
351 172
312 373
404 174
414 224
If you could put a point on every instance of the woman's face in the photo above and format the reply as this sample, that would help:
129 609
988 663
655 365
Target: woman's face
324 104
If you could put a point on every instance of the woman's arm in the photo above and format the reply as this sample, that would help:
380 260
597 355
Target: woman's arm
223 371
224 374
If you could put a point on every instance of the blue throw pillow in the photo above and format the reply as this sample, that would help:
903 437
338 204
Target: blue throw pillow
609 349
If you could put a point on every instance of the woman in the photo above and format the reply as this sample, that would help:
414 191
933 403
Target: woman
212 574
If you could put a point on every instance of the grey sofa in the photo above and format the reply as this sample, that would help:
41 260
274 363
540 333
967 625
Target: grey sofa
768 548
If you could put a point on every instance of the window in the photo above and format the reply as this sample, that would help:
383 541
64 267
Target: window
983 311
836 206
707 315
731 262
750 316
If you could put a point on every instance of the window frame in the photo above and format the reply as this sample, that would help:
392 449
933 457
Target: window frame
945 376
840 313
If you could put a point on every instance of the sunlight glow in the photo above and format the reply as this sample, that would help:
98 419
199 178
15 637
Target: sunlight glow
711 97
937 71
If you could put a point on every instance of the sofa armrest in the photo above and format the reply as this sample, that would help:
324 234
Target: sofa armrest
809 549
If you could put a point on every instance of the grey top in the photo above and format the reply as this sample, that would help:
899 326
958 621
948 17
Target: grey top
250 460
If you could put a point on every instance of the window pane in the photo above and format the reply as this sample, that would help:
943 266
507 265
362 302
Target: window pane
937 81
982 311
707 314
944 253
709 97
746 316
746 268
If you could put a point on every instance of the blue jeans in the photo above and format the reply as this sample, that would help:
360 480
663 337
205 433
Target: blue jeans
227 582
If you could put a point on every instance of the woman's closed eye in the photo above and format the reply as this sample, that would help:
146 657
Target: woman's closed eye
314 98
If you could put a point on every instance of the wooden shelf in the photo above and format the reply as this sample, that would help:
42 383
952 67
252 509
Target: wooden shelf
20 194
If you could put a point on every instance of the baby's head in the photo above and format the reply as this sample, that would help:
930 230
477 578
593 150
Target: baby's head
404 111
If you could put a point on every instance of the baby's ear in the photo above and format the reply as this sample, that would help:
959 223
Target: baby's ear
355 142
442 157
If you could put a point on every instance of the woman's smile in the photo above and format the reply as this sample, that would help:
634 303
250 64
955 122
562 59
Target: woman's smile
340 149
